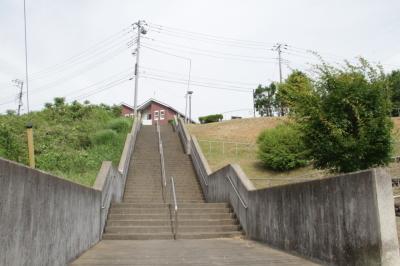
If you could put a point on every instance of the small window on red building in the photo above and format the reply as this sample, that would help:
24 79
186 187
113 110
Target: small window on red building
162 114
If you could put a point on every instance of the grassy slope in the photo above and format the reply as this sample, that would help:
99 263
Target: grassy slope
246 131
63 143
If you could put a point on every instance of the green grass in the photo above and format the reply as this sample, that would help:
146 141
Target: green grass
246 131
70 139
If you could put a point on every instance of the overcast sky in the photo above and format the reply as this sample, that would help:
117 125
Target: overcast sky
79 49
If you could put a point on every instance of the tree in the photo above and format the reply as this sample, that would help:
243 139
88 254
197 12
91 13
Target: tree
10 112
394 85
264 99
345 118
296 85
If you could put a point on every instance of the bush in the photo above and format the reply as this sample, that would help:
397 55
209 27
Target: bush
210 118
104 136
281 148
345 117
9 145
119 124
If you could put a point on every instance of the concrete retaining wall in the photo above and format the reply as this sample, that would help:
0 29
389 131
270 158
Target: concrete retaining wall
44 220
343 220
47 220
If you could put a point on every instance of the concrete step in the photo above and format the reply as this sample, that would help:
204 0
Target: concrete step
140 193
182 216
166 210
166 229
167 222
161 205
108 236
207 235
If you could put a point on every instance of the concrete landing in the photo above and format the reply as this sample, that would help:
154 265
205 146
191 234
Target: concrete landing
186 252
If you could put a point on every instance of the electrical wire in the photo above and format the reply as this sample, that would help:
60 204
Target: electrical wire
198 77
173 45
194 83
205 54
208 36
83 60
87 51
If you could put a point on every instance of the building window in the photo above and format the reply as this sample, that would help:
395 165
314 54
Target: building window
162 114
155 115
149 117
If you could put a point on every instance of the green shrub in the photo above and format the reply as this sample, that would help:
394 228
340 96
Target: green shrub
210 118
119 124
281 148
345 117
9 145
171 122
104 136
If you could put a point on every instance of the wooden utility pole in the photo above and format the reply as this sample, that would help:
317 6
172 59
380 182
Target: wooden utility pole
31 149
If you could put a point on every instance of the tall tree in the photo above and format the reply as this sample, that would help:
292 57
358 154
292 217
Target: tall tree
345 118
394 85
296 84
264 99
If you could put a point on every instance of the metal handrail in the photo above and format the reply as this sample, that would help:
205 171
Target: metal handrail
175 222
237 192
161 150
104 203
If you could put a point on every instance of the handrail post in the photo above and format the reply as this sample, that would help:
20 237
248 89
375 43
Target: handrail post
175 223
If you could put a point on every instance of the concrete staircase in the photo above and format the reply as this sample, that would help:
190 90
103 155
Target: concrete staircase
144 215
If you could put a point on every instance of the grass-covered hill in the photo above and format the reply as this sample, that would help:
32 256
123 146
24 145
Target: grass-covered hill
245 133
71 140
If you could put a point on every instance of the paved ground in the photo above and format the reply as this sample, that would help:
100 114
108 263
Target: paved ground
186 252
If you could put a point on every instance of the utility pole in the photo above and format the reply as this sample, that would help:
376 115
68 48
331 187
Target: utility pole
141 30
19 84
278 47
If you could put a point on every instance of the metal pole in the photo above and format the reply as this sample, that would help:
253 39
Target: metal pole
186 106
190 108
26 61
254 103
188 88
139 29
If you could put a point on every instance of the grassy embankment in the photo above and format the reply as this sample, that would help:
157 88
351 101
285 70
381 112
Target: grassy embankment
71 141
246 131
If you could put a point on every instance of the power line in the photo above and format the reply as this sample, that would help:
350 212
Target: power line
200 77
207 54
196 82
208 36
82 60
103 43
177 81
107 87
81 71
169 45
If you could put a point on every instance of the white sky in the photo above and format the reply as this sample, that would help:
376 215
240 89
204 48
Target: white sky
60 29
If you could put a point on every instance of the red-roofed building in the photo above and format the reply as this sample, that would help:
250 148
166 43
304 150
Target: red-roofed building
151 111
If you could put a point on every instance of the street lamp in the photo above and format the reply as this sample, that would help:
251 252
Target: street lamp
189 93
